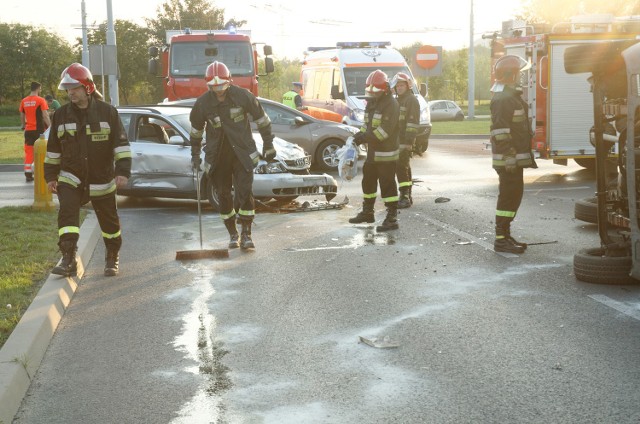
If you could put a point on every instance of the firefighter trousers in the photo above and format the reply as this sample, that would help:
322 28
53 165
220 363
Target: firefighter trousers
510 191
229 173
71 199
404 169
383 173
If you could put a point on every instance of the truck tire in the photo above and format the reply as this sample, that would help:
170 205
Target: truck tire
586 210
591 266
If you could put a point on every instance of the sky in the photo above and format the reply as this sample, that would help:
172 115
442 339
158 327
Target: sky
290 26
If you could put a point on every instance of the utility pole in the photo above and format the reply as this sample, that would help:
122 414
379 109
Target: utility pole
111 41
85 44
472 99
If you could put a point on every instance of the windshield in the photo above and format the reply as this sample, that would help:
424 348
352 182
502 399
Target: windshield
192 59
356 78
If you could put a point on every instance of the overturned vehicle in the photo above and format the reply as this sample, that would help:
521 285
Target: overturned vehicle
615 80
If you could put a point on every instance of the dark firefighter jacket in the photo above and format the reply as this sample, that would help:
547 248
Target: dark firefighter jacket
409 119
380 128
83 145
229 120
510 129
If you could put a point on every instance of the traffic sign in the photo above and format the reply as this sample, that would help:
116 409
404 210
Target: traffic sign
427 57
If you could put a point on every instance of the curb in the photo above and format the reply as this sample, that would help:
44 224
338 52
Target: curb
21 355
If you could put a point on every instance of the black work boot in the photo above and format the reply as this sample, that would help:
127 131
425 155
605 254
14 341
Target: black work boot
111 263
367 213
391 221
245 238
405 198
28 176
230 223
504 244
516 242
68 266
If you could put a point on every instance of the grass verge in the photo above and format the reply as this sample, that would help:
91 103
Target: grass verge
27 254
11 146
475 126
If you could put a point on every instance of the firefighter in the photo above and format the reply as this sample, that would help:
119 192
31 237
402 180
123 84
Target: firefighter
511 147
407 131
230 150
379 131
86 139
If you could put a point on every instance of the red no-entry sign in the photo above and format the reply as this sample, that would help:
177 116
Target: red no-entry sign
427 57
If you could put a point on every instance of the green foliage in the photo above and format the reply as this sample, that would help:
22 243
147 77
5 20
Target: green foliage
30 54
279 82
135 84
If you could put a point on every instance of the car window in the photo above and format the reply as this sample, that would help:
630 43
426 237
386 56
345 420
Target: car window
279 115
451 105
125 118
438 106
150 129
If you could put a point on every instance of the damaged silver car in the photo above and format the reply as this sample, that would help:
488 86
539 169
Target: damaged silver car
161 166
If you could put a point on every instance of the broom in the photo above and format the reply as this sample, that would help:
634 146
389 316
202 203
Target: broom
182 255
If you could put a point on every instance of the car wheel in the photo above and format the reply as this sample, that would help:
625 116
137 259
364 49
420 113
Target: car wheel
460 116
326 158
591 266
422 144
586 210
212 196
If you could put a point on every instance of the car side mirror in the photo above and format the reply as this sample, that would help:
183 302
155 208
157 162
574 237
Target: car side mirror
423 89
176 140
299 121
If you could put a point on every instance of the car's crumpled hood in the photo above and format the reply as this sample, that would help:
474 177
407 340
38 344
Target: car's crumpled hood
284 149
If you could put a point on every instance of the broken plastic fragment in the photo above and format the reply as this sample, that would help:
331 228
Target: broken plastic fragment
384 343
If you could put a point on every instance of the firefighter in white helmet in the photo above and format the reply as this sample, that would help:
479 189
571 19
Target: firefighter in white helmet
511 147
407 131
380 132
224 113
88 158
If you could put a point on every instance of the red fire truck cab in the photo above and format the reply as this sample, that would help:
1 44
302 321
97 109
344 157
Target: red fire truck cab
182 62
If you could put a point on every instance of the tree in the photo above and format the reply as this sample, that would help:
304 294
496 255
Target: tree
179 14
134 82
30 54
547 11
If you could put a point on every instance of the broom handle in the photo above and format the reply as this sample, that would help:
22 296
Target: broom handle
199 211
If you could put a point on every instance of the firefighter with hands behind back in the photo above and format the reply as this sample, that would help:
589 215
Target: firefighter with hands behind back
379 131
510 145
408 123
85 141
230 150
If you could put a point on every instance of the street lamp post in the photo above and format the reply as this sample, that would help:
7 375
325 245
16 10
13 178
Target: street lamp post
470 110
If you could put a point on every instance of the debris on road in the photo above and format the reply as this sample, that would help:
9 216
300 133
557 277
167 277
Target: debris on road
384 343
442 200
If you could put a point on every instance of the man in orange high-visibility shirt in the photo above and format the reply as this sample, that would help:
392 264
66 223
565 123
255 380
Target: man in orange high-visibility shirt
34 123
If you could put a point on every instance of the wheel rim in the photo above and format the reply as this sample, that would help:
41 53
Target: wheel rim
329 156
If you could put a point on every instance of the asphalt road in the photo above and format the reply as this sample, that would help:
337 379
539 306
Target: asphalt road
460 334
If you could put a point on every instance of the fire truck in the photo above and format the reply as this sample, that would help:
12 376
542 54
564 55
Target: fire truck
182 62
560 104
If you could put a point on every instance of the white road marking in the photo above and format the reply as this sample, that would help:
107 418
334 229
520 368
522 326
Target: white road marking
631 310
486 245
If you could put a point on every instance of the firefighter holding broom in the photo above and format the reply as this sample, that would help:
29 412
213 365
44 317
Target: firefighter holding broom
223 112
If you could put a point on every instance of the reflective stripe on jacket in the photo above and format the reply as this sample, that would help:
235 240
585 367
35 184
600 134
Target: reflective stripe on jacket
380 128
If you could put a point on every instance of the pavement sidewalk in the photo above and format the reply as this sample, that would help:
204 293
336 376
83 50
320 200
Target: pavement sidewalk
22 353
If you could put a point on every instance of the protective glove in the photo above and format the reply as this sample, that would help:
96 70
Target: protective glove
196 161
510 164
268 153
359 138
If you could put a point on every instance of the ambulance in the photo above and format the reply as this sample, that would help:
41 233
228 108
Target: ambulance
334 78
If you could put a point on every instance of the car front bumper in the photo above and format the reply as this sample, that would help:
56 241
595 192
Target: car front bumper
290 185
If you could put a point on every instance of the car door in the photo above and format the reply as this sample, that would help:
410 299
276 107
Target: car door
285 126
160 163
438 111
